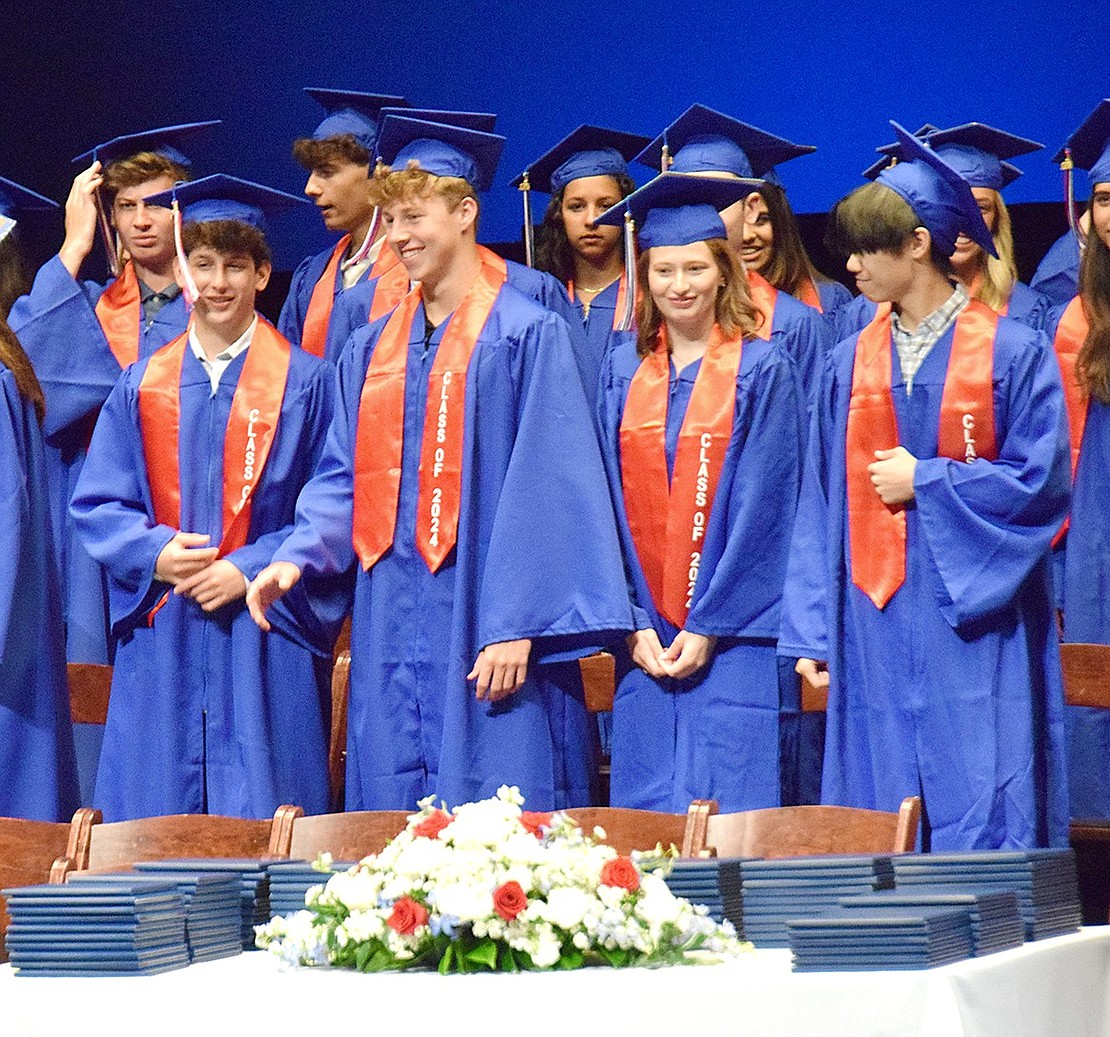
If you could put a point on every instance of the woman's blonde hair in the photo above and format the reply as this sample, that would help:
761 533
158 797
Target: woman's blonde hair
998 275
734 310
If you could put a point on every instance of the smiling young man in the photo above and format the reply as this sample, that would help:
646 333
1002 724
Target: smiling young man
463 480
918 585
190 481
338 156
80 334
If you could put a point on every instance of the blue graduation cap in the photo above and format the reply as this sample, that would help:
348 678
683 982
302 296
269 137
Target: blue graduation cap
891 152
706 141
1090 145
351 111
483 121
15 200
224 197
586 151
165 141
979 152
680 208
936 192
440 149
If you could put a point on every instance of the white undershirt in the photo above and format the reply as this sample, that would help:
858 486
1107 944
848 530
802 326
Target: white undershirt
216 367
351 270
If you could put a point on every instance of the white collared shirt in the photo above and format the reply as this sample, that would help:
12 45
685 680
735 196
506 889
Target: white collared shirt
216 367
352 269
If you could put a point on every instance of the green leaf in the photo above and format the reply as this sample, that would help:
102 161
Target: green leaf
445 961
508 959
484 954
571 959
362 955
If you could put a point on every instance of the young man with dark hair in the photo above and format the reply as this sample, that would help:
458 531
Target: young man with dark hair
339 157
918 586
190 482
79 335
464 478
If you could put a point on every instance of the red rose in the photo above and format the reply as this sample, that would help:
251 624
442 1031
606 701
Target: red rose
433 824
621 872
407 915
533 821
509 900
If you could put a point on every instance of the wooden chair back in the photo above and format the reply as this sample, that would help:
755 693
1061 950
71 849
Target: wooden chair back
1086 675
627 829
814 699
810 830
121 843
28 850
89 687
599 677
337 745
347 837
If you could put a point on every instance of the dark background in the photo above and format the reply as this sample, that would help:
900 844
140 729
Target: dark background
825 74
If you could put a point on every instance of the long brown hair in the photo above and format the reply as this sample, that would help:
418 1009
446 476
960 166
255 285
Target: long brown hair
13 283
1092 366
735 312
554 253
789 265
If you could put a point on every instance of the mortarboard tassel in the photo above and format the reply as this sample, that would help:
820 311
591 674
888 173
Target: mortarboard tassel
111 246
189 289
625 323
1068 169
529 230
371 235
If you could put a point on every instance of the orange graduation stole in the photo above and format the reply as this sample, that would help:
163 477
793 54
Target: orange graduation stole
255 409
622 295
391 287
314 335
668 522
764 295
876 531
1071 333
381 421
119 311
807 293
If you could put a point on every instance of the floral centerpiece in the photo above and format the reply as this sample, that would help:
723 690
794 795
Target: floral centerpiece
491 886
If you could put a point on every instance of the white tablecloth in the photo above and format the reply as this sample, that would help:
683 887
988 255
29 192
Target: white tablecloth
1055 988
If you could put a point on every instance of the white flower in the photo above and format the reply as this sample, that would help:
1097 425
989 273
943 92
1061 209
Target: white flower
567 906
356 889
658 905
466 901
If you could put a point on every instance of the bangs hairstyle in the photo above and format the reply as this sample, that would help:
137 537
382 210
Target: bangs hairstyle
228 238
389 185
734 310
1092 366
331 151
554 253
138 169
874 218
789 265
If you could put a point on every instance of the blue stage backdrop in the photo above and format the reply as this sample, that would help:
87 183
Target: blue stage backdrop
828 74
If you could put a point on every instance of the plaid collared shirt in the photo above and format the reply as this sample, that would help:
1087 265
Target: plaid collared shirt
914 346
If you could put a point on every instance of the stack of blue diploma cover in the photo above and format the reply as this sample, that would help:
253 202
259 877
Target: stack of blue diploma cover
714 882
254 885
291 880
867 938
996 923
213 917
1044 880
97 928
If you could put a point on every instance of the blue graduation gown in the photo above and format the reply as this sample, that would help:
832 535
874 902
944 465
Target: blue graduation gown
537 557
1057 275
833 295
1083 562
353 310
36 737
303 284
598 322
1026 307
954 688
714 734
804 335
57 325
207 712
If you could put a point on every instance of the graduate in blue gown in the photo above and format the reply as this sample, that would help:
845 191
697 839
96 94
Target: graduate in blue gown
36 737
706 142
1057 274
980 154
463 632
1081 325
80 334
930 600
585 174
696 713
207 712
338 157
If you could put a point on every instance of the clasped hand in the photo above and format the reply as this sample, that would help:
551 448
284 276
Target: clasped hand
892 475
685 655
195 572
